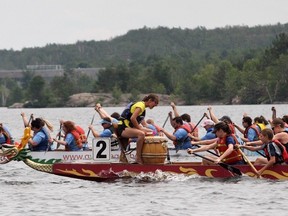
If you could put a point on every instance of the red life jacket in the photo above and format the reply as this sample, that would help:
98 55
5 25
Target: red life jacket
79 136
282 149
82 134
7 137
235 155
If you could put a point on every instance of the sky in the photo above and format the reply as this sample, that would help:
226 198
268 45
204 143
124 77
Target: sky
36 23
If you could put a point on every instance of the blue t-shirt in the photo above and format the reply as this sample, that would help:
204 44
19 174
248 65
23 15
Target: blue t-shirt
252 135
41 139
106 133
230 140
71 143
183 141
3 138
209 135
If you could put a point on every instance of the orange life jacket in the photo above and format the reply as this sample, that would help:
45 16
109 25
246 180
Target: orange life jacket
79 136
235 155
82 134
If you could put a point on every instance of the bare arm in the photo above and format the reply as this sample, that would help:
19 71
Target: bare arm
270 163
258 142
251 148
202 148
273 113
212 115
25 121
102 113
175 111
94 132
239 128
169 136
204 142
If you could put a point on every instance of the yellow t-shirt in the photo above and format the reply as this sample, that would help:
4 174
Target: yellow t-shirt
140 105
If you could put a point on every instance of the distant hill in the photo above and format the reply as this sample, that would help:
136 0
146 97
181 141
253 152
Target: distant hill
144 42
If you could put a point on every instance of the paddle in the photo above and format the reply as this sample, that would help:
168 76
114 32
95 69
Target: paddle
224 165
59 135
165 121
90 124
168 154
249 162
198 122
30 119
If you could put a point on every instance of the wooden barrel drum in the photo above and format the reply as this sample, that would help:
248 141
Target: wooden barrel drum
154 150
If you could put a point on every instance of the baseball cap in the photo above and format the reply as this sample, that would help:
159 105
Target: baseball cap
207 122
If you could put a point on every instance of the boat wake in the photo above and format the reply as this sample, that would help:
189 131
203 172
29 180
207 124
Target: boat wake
157 176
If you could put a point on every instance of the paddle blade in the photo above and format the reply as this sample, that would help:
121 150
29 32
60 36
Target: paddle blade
231 168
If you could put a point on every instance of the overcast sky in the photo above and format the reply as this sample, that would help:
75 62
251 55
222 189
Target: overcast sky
36 23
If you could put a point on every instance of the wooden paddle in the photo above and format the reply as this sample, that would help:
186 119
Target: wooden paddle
224 165
30 119
249 162
90 124
165 121
168 154
59 135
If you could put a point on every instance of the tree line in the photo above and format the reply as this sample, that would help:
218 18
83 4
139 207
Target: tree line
250 75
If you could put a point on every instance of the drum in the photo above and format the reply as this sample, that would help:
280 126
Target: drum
154 150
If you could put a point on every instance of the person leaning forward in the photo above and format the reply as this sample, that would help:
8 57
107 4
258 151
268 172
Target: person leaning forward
225 145
180 137
130 126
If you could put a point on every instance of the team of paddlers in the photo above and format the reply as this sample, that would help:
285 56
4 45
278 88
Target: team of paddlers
268 138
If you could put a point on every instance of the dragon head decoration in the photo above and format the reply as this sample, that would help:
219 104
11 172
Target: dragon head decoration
9 152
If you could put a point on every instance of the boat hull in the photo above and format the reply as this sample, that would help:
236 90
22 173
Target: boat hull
110 171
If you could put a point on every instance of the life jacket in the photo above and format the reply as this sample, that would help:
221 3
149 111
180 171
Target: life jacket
44 144
254 128
281 151
261 126
126 114
79 136
83 136
7 138
187 138
235 155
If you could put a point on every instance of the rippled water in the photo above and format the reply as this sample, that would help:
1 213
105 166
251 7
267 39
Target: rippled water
27 192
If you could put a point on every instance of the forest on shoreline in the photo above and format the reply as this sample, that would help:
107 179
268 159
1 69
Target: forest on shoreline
231 65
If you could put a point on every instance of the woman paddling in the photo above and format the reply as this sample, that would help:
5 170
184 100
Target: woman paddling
224 144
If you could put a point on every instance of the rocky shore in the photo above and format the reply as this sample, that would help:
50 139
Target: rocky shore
107 100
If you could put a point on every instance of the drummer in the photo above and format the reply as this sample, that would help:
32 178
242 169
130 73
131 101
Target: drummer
131 124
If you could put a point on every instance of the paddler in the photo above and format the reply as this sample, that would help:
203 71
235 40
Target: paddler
224 144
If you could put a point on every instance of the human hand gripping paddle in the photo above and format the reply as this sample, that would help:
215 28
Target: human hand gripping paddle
249 162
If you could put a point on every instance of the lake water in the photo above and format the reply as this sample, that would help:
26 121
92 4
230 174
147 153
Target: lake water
27 192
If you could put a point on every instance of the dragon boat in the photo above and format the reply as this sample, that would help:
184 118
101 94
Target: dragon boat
101 168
